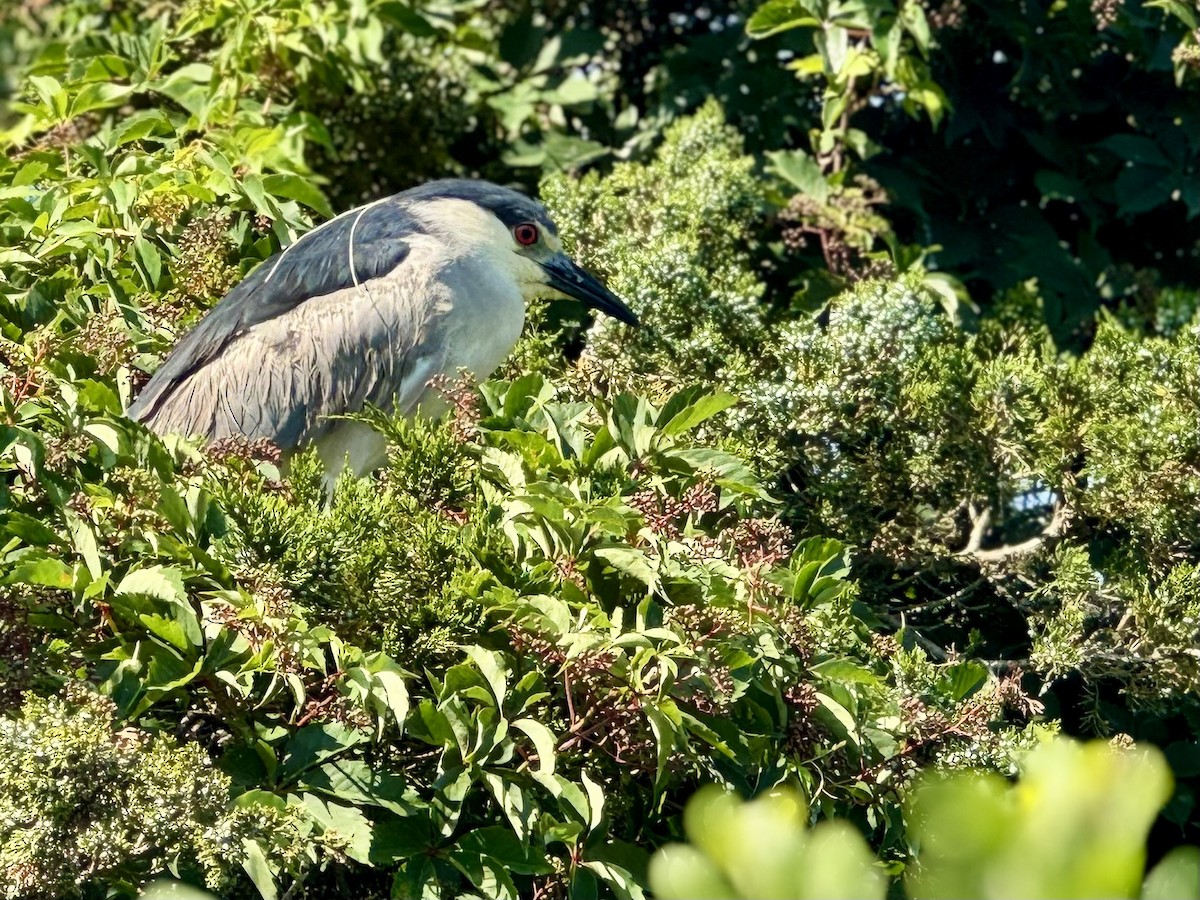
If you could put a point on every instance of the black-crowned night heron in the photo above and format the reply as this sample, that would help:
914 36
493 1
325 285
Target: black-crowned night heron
367 309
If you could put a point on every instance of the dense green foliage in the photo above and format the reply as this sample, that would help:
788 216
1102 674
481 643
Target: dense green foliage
1073 826
85 802
911 438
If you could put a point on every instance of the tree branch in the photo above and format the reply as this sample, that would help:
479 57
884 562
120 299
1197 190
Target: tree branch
897 622
1052 532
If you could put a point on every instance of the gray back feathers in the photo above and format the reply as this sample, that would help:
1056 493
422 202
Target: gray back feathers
269 361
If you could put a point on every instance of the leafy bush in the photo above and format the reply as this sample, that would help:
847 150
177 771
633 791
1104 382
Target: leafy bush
1075 825
1033 509
654 632
671 237
82 802
916 100
502 665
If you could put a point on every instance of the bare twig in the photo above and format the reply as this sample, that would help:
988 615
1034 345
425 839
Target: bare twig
950 599
923 642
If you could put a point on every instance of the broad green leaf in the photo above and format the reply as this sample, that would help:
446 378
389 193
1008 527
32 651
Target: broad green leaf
99 95
1183 11
913 17
344 826
595 795
631 562
255 862
961 679
30 530
846 670
395 693
544 742
700 410
500 844
161 582
395 839
354 781
1135 148
149 259
494 668
621 882
838 717
775 16
1176 875
802 171
50 92
666 725
313 744
42 570
139 126
295 187
171 630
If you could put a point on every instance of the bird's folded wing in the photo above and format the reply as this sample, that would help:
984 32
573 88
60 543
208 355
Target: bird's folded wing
261 335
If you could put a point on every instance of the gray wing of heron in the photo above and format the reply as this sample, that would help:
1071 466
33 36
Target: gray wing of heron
316 330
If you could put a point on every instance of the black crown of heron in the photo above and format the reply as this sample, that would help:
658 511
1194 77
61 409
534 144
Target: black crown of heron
367 309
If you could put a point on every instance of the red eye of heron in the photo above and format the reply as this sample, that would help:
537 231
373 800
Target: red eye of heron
526 234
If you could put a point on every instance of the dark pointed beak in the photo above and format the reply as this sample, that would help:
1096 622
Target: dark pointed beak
580 284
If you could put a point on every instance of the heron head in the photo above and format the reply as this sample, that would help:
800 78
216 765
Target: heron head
517 237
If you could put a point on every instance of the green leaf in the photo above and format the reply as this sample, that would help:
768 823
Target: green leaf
313 744
396 839
252 187
574 90
96 396
961 679
187 86
172 631
43 570
775 16
408 17
161 582
846 670
699 410
622 883
30 530
254 861
1182 11
345 826
295 187
355 781
257 797
1135 148
50 92
802 171
595 795
544 742
107 435
494 668
666 725
139 126
1177 875
149 260
500 844
1141 188
631 562
913 17
99 95
395 693
838 717
29 173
